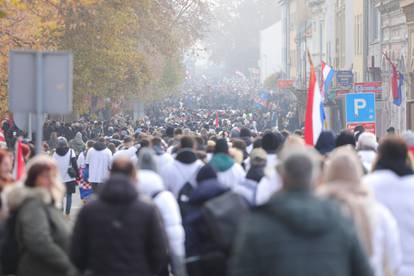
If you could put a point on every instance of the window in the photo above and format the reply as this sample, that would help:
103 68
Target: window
374 22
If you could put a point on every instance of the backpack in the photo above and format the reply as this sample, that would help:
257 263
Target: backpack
10 253
183 199
222 215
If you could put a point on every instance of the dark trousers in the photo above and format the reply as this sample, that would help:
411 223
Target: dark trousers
68 203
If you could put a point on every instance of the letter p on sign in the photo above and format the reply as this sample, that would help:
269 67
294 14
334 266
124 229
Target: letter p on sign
358 105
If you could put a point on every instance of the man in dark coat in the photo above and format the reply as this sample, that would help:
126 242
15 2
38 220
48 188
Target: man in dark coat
120 233
296 233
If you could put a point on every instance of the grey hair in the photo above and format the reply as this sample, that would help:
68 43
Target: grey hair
301 166
146 160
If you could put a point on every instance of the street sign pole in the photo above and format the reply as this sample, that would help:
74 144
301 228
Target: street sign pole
39 102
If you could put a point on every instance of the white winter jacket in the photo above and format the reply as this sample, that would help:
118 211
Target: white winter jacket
268 185
151 185
232 177
176 174
397 194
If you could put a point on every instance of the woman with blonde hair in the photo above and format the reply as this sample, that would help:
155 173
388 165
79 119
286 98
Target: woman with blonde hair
375 225
40 229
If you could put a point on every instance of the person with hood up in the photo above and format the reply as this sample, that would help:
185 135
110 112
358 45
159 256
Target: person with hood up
230 174
297 233
151 185
183 169
367 149
375 225
392 182
65 158
42 234
98 162
77 144
199 242
120 233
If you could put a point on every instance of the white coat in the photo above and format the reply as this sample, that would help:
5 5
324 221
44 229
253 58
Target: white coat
397 194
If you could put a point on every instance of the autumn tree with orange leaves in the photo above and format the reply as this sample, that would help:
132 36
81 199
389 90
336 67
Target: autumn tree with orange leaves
122 48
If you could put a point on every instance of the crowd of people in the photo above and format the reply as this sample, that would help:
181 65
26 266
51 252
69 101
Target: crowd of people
202 200
206 185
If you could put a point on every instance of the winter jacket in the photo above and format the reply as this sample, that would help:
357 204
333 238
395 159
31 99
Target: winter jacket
77 143
297 234
65 158
397 194
267 186
119 234
183 169
367 158
151 185
375 225
230 174
198 239
248 188
99 159
42 234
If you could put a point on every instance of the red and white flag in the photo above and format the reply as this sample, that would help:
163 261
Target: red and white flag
19 164
314 114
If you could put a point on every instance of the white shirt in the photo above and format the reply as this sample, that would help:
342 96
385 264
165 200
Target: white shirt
99 164
63 163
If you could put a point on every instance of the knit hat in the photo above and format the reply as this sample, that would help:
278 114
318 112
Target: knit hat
271 142
221 146
205 173
326 142
245 132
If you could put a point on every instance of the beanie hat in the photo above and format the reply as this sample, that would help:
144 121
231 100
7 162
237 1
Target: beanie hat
221 146
205 173
271 142
245 132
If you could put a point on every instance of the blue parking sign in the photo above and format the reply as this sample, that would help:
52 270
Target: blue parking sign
360 108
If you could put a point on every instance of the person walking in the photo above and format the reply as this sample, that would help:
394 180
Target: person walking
120 233
392 182
229 173
65 158
151 185
183 169
376 226
297 233
98 162
40 229
77 143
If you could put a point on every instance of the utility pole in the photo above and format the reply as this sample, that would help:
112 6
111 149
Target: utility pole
365 40
286 36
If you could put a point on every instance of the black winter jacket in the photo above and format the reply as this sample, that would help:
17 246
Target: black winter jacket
119 234
297 234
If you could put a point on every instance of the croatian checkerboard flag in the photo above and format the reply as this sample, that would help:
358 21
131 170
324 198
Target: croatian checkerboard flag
314 115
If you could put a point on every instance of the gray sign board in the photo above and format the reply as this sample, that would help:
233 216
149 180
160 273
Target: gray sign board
57 79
